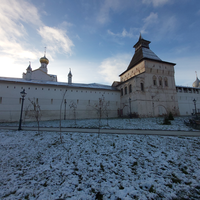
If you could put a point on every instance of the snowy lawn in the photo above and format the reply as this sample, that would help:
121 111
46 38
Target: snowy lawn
85 166
134 123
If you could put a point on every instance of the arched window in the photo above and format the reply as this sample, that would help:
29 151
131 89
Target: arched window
166 82
160 81
130 88
121 91
125 90
142 86
154 80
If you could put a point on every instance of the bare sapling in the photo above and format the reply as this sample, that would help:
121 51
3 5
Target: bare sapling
73 106
60 114
36 112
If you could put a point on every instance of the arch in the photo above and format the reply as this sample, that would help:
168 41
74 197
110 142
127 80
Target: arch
154 80
166 82
160 110
160 81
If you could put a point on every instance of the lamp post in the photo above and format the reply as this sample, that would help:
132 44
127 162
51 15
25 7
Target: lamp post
23 94
195 109
130 106
65 110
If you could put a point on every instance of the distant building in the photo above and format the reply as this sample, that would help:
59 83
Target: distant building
146 88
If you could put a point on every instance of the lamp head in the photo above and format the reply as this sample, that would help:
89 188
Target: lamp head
23 93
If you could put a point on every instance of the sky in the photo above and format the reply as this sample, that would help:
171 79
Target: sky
95 38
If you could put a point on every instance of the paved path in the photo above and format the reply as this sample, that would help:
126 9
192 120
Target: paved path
111 131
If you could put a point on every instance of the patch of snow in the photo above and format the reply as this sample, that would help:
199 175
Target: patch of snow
38 166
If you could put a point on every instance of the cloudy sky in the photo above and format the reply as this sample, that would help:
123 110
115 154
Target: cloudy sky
95 38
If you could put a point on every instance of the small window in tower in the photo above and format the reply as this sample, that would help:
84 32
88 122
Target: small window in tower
166 82
88 102
142 86
154 81
121 91
37 101
125 90
160 81
7 86
130 88
51 101
21 87
77 101
0 100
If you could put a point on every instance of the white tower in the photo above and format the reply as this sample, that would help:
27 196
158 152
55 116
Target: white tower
70 76
28 73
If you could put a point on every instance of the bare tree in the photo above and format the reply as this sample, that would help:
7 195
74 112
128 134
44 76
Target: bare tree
60 114
73 106
36 112
101 108
26 112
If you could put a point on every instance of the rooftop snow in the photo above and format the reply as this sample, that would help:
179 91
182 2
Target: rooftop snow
77 85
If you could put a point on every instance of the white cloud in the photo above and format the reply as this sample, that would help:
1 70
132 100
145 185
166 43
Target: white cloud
149 21
109 6
16 19
56 39
13 14
112 67
124 33
156 3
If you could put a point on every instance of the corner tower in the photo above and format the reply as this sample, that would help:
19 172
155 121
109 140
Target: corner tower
147 85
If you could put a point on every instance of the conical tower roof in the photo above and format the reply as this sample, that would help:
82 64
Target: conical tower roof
143 52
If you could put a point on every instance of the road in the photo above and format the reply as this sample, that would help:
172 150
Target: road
111 131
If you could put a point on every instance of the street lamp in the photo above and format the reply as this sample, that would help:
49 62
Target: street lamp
23 94
130 106
195 109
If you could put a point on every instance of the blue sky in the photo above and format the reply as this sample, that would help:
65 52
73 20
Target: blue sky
95 38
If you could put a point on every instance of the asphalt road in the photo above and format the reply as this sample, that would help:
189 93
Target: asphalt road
111 131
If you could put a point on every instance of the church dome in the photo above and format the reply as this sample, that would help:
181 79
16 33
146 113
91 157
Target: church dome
44 60
196 83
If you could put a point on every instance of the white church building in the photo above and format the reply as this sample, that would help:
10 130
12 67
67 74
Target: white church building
146 89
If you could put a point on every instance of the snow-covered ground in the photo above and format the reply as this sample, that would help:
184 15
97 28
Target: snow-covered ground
87 166
135 123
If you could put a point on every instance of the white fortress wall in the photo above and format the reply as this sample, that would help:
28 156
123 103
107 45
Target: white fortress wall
185 96
49 97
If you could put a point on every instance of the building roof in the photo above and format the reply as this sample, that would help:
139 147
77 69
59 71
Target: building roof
51 83
143 52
